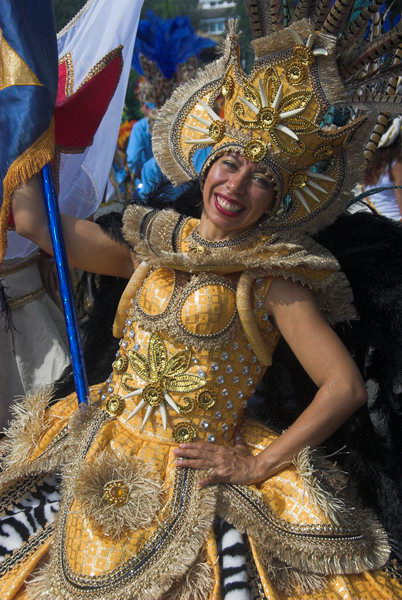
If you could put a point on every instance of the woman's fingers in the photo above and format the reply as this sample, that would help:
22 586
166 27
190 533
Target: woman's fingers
193 463
192 453
239 440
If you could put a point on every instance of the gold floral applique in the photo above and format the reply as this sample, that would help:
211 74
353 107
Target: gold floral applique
162 375
275 112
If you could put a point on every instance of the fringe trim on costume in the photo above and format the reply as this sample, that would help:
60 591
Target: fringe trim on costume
27 427
169 564
23 168
143 493
313 476
311 555
197 584
29 421
36 587
306 583
281 40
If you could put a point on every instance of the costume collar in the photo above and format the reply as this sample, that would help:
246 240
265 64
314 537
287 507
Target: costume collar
165 238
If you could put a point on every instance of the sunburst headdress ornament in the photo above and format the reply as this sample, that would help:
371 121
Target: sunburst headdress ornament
277 114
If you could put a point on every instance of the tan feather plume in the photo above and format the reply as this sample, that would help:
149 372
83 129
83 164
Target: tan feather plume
374 50
357 27
337 16
265 17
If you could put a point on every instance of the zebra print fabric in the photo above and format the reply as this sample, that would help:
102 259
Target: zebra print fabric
28 516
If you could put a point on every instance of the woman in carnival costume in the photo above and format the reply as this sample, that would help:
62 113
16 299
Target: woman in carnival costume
385 170
164 448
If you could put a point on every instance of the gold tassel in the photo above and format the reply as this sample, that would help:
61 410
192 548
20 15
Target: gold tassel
23 168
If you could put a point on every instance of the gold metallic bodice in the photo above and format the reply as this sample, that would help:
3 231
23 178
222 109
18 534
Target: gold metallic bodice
185 369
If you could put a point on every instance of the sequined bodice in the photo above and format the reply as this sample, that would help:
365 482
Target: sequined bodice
185 368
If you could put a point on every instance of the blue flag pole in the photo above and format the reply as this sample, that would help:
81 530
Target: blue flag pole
70 314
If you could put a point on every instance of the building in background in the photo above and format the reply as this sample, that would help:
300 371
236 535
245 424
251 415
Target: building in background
213 15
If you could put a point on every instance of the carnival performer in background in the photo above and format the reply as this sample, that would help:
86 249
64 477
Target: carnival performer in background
33 344
165 448
385 170
167 53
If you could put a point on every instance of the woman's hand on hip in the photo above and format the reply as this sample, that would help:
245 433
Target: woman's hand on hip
225 464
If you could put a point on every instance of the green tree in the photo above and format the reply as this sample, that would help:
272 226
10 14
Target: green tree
64 11
168 9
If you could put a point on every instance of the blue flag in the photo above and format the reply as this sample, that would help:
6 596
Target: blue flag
28 87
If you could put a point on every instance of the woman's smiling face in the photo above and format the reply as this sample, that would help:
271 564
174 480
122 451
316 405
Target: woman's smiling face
236 194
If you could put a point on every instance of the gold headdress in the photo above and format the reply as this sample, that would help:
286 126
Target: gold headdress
276 115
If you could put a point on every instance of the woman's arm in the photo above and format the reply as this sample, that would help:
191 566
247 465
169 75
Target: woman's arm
341 392
87 246
326 360
397 179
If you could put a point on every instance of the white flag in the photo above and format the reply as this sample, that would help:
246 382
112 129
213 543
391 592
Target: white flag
99 28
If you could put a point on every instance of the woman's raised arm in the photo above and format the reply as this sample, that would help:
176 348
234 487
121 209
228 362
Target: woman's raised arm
87 246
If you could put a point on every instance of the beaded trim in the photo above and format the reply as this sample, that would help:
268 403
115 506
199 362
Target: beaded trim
22 300
5 270
357 544
239 239
26 550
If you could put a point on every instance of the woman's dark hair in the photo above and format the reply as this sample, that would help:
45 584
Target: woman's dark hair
382 162
185 199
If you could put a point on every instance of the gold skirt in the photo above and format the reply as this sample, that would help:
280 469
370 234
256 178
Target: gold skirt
132 525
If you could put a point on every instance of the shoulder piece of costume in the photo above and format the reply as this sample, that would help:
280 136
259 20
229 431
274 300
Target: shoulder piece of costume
169 239
277 115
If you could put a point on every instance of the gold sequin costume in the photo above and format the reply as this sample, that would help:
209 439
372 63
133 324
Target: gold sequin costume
134 525
196 340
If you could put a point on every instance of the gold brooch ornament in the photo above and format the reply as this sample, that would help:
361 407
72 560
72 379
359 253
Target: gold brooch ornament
115 405
120 365
184 432
217 130
162 375
275 112
206 399
295 73
308 183
255 151
115 492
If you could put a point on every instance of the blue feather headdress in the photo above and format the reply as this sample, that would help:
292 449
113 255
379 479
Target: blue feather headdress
167 42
